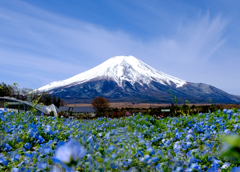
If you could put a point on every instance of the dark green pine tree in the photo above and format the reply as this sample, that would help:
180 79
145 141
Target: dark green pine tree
54 100
48 100
6 90
58 102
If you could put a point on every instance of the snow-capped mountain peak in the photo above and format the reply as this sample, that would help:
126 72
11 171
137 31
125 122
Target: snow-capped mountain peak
118 69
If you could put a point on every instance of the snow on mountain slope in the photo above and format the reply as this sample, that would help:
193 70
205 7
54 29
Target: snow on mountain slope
119 68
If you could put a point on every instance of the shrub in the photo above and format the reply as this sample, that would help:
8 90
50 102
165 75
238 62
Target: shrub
60 114
100 104
51 113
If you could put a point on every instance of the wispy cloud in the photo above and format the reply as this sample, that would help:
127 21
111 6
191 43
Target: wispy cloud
45 42
195 41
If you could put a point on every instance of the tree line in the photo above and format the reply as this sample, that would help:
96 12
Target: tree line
27 94
101 105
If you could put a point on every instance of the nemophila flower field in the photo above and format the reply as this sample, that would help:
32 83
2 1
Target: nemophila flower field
135 143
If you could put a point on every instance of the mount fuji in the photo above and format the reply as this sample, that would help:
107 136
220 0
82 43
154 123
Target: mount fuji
128 79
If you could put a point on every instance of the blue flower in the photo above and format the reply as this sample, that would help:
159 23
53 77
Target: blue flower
146 159
40 140
15 170
159 166
225 165
227 131
214 166
139 154
42 166
30 132
225 111
154 159
113 156
47 150
70 153
189 137
193 160
132 169
110 148
5 109
177 147
114 165
235 169
48 128
7 147
150 150
178 135
3 160
27 145
235 114
229 111
15 156
159 152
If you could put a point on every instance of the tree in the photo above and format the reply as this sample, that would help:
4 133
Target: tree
54 100
26 91
6 90
62 103
174 99
58 102
100 104
48 100
16 90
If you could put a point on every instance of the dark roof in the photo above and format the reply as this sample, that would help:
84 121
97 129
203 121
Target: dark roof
78 109
63 108
82 109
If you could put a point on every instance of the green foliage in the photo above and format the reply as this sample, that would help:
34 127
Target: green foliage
187 102
6 104
19 104
52 113
232 148
235 110
174 99
6 90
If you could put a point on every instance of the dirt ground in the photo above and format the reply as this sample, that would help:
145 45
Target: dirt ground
131 105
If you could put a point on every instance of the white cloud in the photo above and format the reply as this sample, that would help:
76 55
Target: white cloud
195 41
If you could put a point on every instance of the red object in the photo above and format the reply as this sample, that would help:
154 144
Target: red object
128 114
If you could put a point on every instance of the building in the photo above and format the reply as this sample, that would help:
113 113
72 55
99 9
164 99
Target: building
79 110
15 105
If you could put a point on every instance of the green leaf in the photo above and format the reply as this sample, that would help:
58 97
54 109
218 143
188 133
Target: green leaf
233 140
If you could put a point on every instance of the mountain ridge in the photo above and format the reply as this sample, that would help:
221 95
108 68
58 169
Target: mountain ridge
119 68
127 78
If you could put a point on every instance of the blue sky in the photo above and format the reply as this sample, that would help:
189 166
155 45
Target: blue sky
45 41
